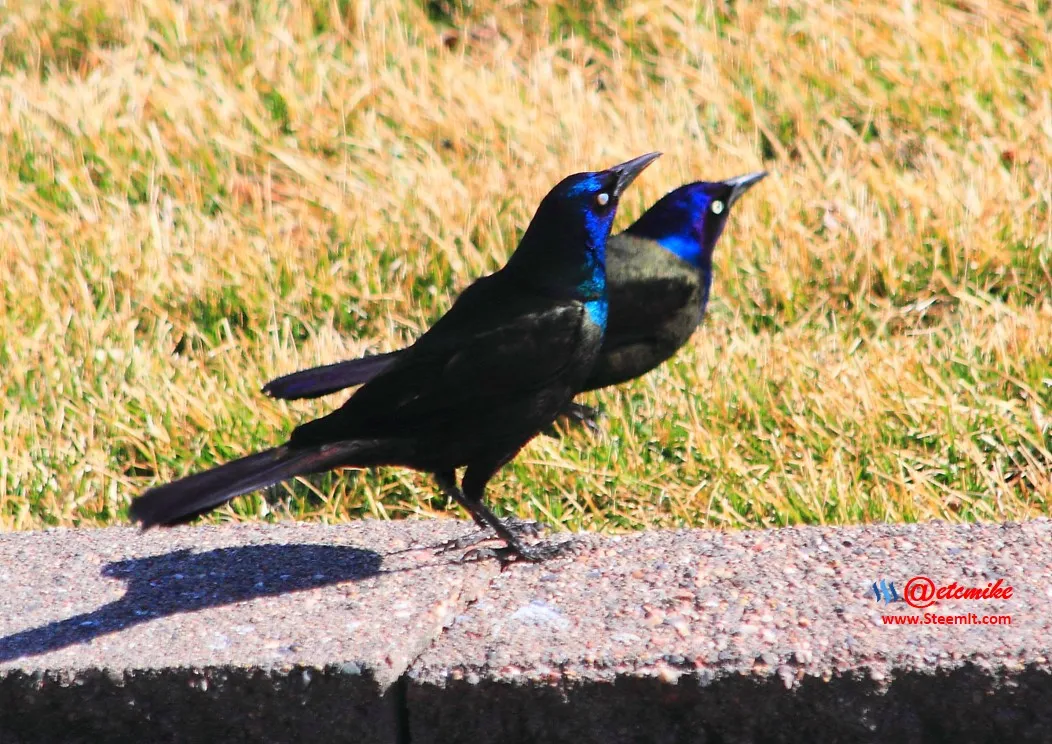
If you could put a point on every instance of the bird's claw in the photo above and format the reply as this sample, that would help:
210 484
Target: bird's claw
517 527
534 553
586 416
575 414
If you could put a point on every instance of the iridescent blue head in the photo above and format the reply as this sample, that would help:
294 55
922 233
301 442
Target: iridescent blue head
563 253
689 220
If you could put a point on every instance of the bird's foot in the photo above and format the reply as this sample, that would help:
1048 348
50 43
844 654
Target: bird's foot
575 414
586 416
533 553
516 526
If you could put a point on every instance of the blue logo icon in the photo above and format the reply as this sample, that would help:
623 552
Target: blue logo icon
886 590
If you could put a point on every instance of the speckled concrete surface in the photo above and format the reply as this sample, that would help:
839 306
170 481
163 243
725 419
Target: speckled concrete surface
181 631
300 632
751 636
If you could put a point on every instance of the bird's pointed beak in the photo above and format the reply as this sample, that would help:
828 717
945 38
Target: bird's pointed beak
740 184
626 172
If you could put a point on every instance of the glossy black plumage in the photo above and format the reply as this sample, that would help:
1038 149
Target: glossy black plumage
659 275
492 372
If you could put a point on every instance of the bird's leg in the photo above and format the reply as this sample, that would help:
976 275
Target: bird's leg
447 481
474 483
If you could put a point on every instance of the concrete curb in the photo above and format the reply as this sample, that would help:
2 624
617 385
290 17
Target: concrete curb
362 633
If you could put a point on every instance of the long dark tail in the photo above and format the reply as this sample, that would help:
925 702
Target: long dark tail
182 500
318 381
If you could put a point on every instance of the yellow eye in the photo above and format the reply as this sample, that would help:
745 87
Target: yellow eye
717 207
603 199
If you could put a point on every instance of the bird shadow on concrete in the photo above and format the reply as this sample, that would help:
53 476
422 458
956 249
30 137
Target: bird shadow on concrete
185 581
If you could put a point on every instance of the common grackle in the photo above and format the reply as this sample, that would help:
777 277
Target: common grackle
474 389
659 273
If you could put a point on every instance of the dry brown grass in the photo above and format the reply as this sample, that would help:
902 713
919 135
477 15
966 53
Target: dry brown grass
196 196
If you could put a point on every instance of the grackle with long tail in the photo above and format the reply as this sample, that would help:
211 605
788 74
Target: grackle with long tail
659 274
474 389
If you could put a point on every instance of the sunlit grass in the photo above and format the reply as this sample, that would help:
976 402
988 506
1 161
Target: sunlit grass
198 196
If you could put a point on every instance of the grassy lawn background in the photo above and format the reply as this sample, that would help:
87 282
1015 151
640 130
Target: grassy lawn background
197 196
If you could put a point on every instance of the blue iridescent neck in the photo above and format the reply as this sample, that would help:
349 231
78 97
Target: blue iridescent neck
593 285
597 311
563 253
596 233
593 289
686 246
678 222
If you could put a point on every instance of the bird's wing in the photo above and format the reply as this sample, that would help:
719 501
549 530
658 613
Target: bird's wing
494 344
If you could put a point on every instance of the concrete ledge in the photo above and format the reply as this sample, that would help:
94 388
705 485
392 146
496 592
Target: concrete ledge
196 704
362 633
250 633
772 636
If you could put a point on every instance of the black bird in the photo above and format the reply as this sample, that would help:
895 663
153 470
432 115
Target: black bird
474 389
659 274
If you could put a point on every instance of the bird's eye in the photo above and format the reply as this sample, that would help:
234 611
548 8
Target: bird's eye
717 207
602 199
